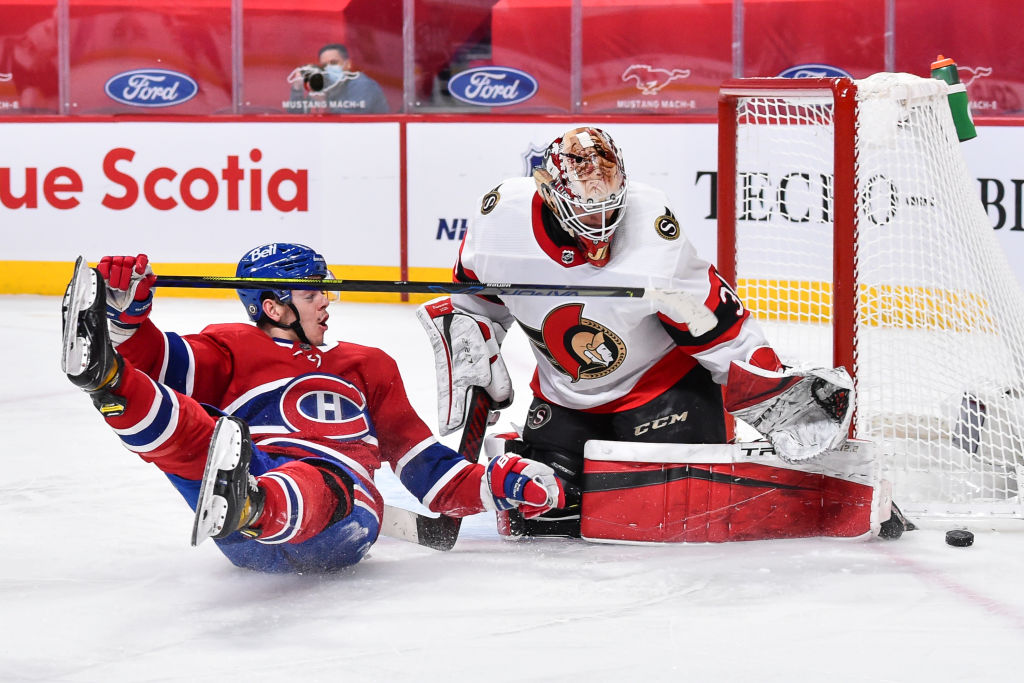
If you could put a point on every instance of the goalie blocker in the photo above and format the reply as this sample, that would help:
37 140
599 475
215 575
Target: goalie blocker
701 493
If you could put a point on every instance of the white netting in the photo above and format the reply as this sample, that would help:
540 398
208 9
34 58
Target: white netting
940 318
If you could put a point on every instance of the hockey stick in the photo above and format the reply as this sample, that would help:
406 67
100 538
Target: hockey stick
399 286
440 533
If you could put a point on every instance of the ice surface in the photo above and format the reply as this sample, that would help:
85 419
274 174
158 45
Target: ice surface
99 582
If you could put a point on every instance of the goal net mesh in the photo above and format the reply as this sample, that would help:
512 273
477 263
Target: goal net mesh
938 319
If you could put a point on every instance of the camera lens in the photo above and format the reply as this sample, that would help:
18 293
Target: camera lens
315 81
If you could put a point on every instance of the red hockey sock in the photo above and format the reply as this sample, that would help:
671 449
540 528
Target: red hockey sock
163 427
300 502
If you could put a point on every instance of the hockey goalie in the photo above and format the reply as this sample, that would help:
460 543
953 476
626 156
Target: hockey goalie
633 398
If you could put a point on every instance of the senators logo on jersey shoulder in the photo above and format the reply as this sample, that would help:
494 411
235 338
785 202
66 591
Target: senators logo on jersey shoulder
576 346
490 201
667 226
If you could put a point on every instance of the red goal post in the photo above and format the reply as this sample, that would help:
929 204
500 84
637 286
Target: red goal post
842 92
852 230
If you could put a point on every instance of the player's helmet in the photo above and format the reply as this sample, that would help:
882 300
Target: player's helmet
583 181
278 259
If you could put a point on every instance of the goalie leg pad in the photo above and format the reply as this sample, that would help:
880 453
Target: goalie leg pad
646 493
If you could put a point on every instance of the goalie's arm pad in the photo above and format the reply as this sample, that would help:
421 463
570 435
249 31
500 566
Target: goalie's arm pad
466 355
802 411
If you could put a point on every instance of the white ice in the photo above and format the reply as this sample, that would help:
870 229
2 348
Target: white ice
98 582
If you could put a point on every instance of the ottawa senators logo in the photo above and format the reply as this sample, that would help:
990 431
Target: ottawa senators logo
576 346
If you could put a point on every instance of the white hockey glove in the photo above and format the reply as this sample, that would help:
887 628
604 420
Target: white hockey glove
466 355
803 413
684 308
129 281
510 481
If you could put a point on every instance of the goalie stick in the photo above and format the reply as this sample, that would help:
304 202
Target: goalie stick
440 533
397 286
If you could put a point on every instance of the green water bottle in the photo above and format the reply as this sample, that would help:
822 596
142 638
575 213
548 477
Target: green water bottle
944 69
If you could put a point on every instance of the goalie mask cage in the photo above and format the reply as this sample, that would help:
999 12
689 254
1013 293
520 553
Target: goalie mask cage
852 229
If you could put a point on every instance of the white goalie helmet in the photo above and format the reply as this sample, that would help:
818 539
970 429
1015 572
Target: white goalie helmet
583 181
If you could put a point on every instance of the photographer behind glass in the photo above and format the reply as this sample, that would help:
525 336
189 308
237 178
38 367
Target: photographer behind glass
333 88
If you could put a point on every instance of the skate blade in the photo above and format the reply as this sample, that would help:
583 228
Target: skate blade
224 453
80 294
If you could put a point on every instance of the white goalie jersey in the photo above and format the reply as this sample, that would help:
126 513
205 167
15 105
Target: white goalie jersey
604 353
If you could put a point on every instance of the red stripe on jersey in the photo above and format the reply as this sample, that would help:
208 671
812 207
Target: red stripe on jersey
662 376
724 302
556 252
459 272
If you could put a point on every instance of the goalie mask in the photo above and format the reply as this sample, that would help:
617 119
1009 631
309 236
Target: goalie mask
582 180
276 260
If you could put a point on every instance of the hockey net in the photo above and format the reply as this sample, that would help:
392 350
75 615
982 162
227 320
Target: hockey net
853 231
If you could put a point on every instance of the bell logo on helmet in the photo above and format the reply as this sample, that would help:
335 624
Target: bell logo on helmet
262 252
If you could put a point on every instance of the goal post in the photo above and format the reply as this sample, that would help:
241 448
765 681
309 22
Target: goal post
851 227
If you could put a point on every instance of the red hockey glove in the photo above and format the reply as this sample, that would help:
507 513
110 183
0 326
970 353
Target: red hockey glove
511 481
129 281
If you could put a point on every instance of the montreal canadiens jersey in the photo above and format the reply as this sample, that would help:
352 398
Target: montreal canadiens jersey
601 354
341 400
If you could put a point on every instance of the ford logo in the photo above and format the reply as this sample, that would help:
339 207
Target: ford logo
151 88
814 71
493 86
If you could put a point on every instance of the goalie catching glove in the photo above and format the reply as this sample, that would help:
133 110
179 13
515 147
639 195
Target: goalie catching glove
802 413
466 355
511 481
129 281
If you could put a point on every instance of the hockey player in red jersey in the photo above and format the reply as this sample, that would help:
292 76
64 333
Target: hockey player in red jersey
271 433
649 369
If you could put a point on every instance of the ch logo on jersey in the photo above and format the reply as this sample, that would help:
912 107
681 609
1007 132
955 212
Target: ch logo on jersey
325 405
576 346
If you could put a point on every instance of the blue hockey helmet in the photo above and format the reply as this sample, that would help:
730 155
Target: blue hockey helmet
278 259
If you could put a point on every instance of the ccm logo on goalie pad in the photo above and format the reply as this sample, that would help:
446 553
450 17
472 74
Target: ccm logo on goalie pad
660 422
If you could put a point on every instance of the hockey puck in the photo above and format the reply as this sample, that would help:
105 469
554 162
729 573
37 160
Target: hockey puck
961 538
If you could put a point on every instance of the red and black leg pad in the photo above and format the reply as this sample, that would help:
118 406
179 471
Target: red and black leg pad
673 502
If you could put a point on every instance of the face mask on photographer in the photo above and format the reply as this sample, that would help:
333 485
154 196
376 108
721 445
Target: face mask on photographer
333 74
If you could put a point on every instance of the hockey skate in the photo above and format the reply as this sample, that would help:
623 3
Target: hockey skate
89 359
229 499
